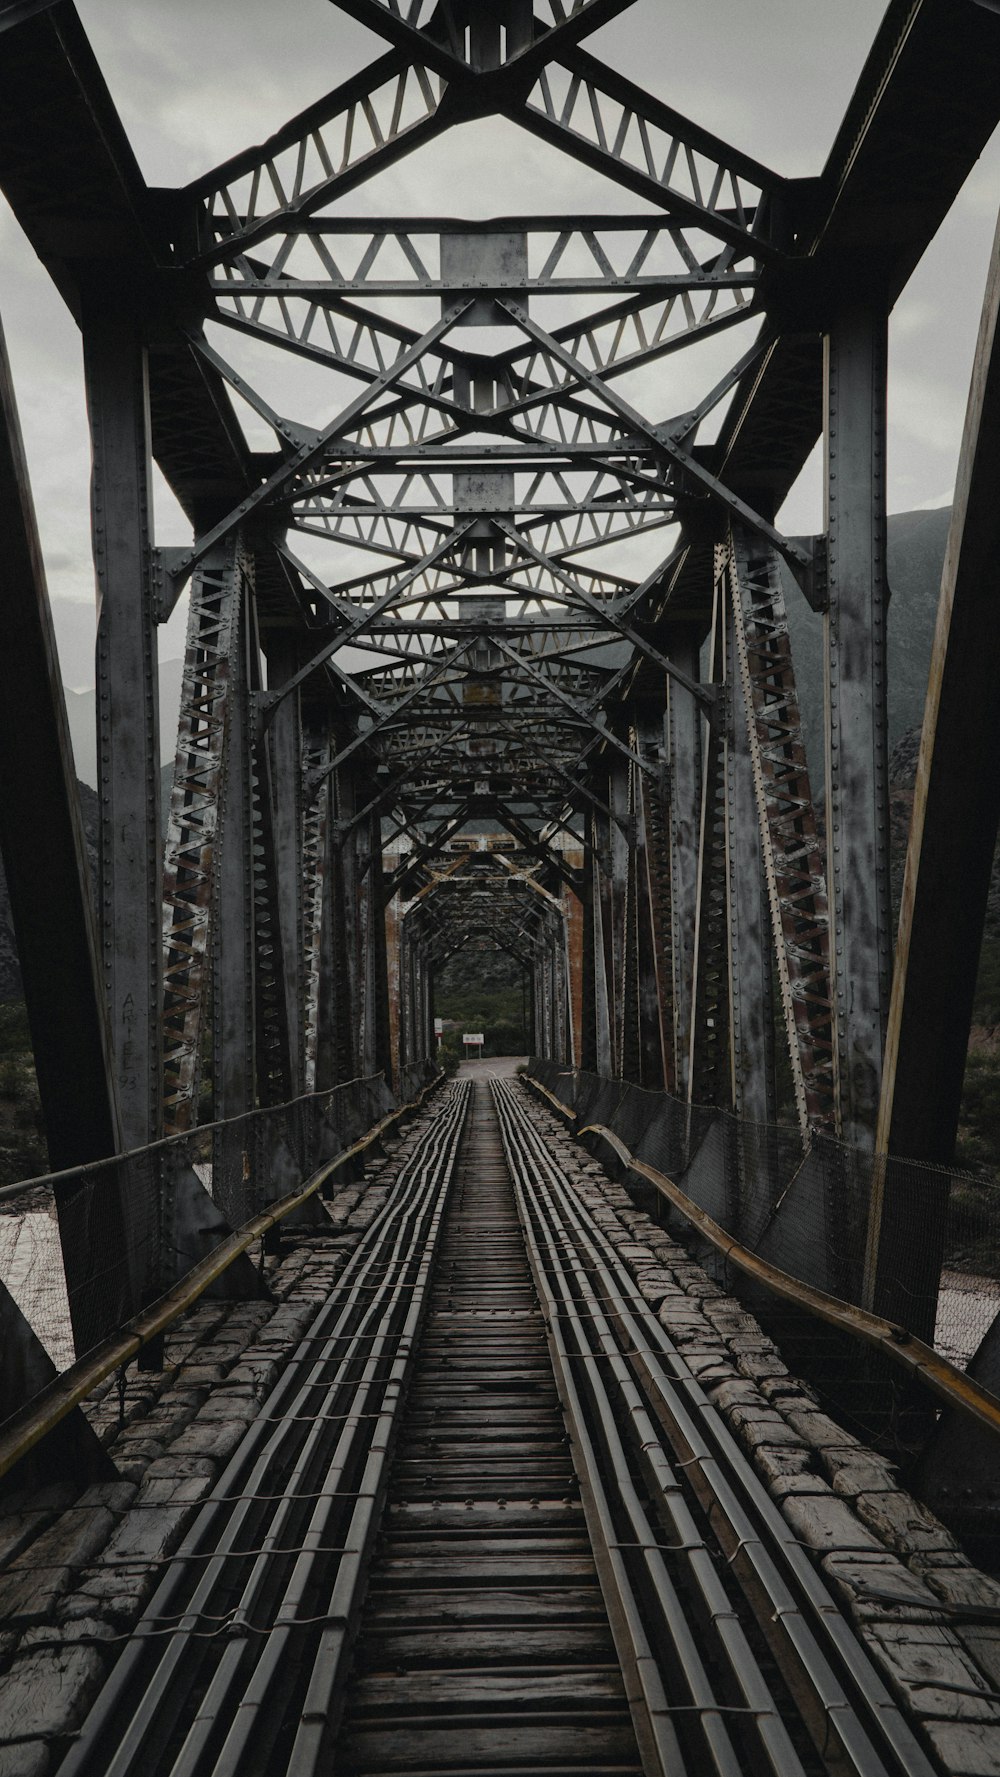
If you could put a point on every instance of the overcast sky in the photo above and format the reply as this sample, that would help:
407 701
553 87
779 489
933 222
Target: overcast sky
196 80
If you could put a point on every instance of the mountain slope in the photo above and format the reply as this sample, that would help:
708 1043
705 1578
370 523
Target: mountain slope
916 546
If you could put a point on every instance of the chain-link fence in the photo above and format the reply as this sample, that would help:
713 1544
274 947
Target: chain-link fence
919 1244
81 1252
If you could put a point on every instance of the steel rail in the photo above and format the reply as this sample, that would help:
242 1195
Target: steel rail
844 1701
600 1451
329 1419
239 1663
167 1143
33 1422
955 1387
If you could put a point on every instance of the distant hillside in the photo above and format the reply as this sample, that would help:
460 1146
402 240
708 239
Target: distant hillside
81 711
916 556
10 972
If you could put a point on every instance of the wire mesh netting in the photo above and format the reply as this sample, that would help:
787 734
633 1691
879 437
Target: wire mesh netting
920 1244
82 1252
412 1079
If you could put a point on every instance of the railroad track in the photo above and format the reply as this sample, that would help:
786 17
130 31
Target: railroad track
735 1642
488 1523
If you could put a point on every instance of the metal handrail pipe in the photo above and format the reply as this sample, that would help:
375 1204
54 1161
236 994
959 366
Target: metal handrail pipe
33 1422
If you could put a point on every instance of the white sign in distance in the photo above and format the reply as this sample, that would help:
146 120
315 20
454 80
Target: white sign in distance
475 1036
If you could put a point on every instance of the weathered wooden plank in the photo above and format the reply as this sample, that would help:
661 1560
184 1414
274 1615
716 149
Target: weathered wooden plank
523 1690
473 1646
477 1515
464 1745
501 1604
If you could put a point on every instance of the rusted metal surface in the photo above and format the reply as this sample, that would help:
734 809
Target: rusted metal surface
283 738
751 1013
315 872
684 758
793 853
709 1066
857 804
274 1034
652 939
234 1025
127 705
190 903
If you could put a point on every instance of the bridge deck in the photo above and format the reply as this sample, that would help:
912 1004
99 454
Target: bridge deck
491 1493
484 1623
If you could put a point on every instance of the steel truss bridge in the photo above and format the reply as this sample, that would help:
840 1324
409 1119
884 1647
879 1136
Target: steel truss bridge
425 705
408 622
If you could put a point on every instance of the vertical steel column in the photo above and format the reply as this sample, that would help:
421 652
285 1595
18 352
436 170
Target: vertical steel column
48 880
537 1032
428 1043
41 835
127 717
710 1077
608 980
326 1055
417 1039
541 1000
572 905
418 1013
410 1049
365 1000
600 913
377 952
405 987
315 867
856 759
560 985
568 932
285 736
431 1047
652 906
363 886
417 978
684 737
588 1052
544 989
622 863
631 1052
233 995
190 893
272 1034
347 1012
412 1021
751 1012
949 862
794 855
549 990
330 937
